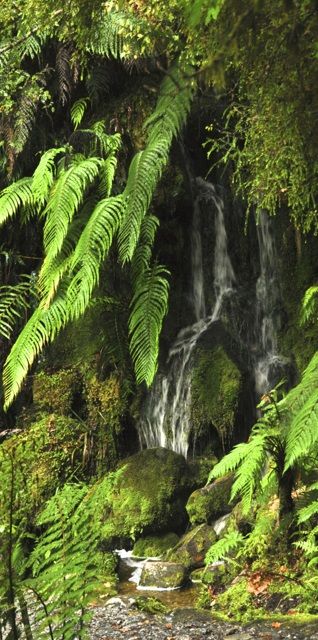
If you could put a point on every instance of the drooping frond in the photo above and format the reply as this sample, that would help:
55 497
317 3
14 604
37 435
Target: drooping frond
78 110
309 304
146 167
14 301
143 253
303 431
249 473
18 194
91 250
107 40
44 174
66 197
148 308
64 74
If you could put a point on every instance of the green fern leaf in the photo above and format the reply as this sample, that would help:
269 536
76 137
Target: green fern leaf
44 174
221 549
78 110
19 194
66 196
303 431
14 301
148 308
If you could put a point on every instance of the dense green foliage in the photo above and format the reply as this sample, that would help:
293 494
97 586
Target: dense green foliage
101 106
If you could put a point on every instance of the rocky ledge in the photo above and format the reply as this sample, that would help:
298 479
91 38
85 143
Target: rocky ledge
120 619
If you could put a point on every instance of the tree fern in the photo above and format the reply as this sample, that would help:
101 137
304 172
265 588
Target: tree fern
78 233
149 306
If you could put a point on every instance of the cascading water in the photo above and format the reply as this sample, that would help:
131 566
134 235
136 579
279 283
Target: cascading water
165 421
268 362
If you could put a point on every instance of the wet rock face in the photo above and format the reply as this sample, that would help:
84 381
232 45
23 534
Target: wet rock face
193 547
209 503
163 575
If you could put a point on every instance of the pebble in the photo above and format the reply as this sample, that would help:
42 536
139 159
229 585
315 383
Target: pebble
119 619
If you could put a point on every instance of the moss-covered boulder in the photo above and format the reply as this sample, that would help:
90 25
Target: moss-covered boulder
201 467
154 546
210 502
147 495
163 575
193 547
216 384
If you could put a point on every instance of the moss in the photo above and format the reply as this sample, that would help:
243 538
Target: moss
210 502
236 602
193 546
147 495
216 384
55 392
106 402
154 546
46 454
150 605
201 468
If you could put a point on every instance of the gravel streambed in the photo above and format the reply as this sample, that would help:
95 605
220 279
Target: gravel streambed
119 619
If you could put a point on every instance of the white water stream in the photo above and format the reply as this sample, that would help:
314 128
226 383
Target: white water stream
166 418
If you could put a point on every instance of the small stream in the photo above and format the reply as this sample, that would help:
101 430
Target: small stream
129 574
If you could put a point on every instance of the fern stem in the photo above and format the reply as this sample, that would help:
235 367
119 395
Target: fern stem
40 599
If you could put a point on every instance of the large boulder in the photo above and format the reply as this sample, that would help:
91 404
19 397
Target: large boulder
148 494
154 546
210 502
163 575
193 547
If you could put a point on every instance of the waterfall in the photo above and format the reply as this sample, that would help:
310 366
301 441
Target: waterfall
268 362
166 419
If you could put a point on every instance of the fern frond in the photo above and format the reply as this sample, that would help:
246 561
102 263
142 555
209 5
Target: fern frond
307 512
44 174
90 252
107 40
14 301
143 252
19 194
78 110
146 168
303 431
249 473
221 549
309 305
66 196
148 308
64 75
229 462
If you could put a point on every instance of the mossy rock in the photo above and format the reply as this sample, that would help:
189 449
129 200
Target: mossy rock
163 575
45 456
216 384
215 575
148 495
154 546
193 547
210 502
55 392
